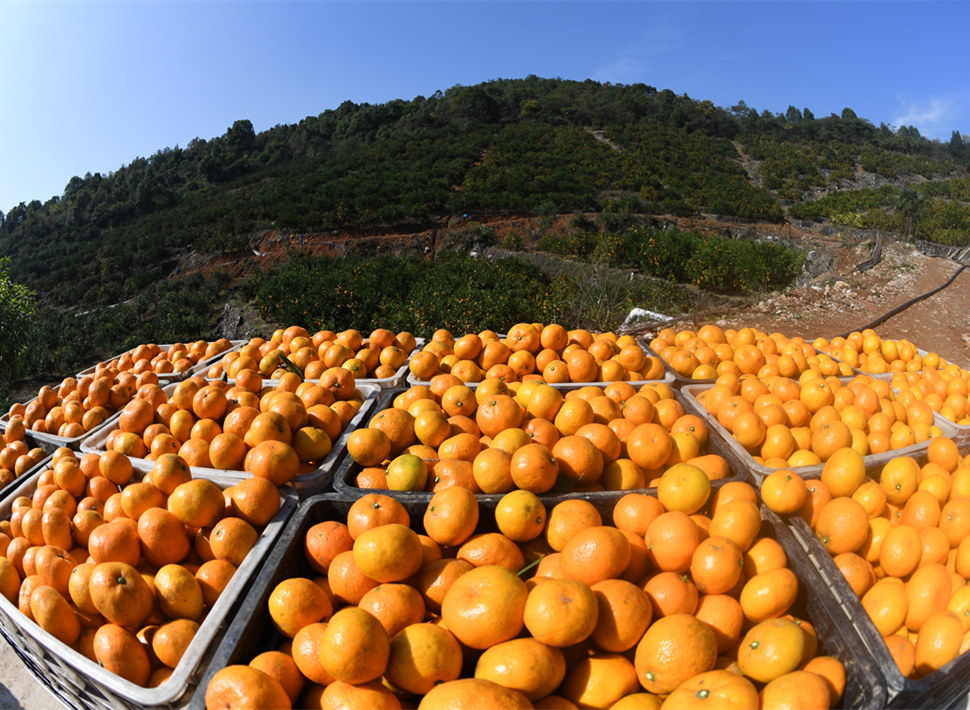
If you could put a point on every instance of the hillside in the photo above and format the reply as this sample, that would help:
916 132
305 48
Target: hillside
741 203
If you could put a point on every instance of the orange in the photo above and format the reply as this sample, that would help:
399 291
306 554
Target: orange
245 687
928 591
672 650
842 525
901 551
567 518
560 612
857 570
624 614
283 668
485 606
120 594
372 510
601 680
178 593
474 694
671 540
921 511
943 451
296 602
529 666
577 458
119 651
723 614
635 512
783 491
844 471
738 520
520 515
716 565
347 581
770 649
649 445
52 612
368 446
903 652
534 467
938 642
421 656
670 593
492 548
594 554
396 606
388 553
799 688
354 647
768 594
172 639
683 487
451 516
198 503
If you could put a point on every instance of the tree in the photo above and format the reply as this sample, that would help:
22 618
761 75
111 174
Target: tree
956 144
793 115
909 202
16 314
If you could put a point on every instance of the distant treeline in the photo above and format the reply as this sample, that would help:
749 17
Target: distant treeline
528 146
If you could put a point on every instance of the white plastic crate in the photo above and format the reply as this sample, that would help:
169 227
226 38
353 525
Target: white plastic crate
316 481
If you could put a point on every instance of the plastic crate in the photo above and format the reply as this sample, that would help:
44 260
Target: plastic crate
81 683
253 630
740 457
668 379
865 685
944 688
306 484
51 442
347 472
681 380
169 376
17 482
395 380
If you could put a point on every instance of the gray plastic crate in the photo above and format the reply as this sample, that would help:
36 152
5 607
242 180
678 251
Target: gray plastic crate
81 683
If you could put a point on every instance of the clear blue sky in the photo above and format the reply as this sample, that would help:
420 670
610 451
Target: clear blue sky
88 86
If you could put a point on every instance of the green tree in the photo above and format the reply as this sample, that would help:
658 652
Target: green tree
16 313
909 202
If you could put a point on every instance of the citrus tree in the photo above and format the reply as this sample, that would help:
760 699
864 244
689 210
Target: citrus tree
16 313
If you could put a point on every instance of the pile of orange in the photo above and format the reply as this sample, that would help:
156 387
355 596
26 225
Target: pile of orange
713 351
945 390
902 542
866 351
784 422
549 352
557 609
149 357
532 436
124 570
79 405
16 455
379 355
276 432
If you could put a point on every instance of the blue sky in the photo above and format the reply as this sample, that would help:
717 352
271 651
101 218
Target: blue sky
88 86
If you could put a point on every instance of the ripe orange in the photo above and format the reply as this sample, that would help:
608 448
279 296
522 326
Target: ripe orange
672 650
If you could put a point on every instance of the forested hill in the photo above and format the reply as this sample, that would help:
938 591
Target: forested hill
505 147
